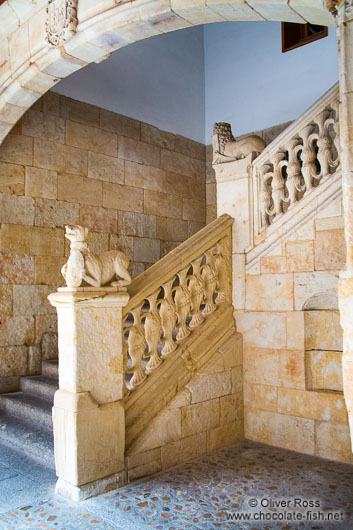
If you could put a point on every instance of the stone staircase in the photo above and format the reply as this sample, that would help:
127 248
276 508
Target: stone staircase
25 416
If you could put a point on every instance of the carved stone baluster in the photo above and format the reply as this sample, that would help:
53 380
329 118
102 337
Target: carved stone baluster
324 142
293 170
182 301
265 196
277 183
137 344
308 157
168 317
336 127
209 277
153 331
196 289
223 266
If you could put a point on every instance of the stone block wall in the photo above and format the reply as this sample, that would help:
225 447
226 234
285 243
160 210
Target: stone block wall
204 416
292 347
136 188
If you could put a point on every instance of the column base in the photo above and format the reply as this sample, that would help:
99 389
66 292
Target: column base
97 487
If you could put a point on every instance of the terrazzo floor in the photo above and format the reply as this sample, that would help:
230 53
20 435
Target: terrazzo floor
210 493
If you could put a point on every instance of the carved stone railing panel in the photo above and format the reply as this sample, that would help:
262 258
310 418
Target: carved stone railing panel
303 156
159 320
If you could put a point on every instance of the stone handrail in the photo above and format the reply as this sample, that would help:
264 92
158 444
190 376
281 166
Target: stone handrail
175 296
306 154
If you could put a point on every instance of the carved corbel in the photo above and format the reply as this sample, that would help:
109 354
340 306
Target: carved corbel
61 22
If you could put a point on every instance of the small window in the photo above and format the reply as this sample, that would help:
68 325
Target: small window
295 35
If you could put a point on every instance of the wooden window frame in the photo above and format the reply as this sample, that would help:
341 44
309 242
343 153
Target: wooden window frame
305 38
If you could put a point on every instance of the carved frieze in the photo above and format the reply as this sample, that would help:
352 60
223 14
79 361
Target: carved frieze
61 21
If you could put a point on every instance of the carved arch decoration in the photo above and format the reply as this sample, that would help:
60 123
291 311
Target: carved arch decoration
42 42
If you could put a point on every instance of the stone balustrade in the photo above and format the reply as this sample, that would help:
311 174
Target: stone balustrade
164 313
300 159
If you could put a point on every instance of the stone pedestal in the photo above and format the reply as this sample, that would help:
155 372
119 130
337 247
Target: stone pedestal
88 417
234 197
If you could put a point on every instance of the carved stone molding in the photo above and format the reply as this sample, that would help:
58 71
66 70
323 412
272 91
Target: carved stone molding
344 10
61 21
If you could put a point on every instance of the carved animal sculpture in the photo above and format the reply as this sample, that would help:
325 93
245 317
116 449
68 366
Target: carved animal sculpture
95 269
226 148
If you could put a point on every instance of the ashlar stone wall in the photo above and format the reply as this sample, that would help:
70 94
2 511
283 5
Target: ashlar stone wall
136 188
293 347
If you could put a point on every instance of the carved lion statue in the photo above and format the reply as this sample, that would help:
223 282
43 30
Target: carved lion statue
95 269
226 148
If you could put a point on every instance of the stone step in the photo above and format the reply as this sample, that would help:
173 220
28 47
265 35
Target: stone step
27 438
50 369
40 386
27 408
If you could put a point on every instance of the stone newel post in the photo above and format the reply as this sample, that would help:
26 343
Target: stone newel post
88 417
345 52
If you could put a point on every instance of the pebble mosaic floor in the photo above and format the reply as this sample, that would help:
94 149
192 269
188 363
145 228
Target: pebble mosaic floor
203 495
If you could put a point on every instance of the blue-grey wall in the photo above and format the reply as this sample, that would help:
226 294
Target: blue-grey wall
160 81
186 80
251 84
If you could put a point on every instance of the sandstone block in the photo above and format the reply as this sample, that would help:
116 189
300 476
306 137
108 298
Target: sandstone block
136 268
182 399
16 209
19 47
295 330
51 103
48 270
333 441
165 205
211 213
237 379
189 147
325 370
194 210
187 187
330 223
225 435
73 188
232 351
146 177
103 167
35 241
55 213
17 150
46 126
211 193
137 224
16 331
41 183
91 138
137 151
49 345
183 450
292 368
121 197
213 365
179 163
258 396
74 110
168 246
13 360
200 417
194 227
34 359
124 244
289 432
171 229
12 178
6 299
139 459
16 268
333 209
266 330
306 284
270 292
146 250
98 219
300 256
32 300
45 324
273 264
58 157
323 330
261 366
149 468
323 406
163 429
231 408
209 386
119 124
153 135
330 250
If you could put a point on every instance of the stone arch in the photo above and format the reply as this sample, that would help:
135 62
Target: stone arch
34 56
